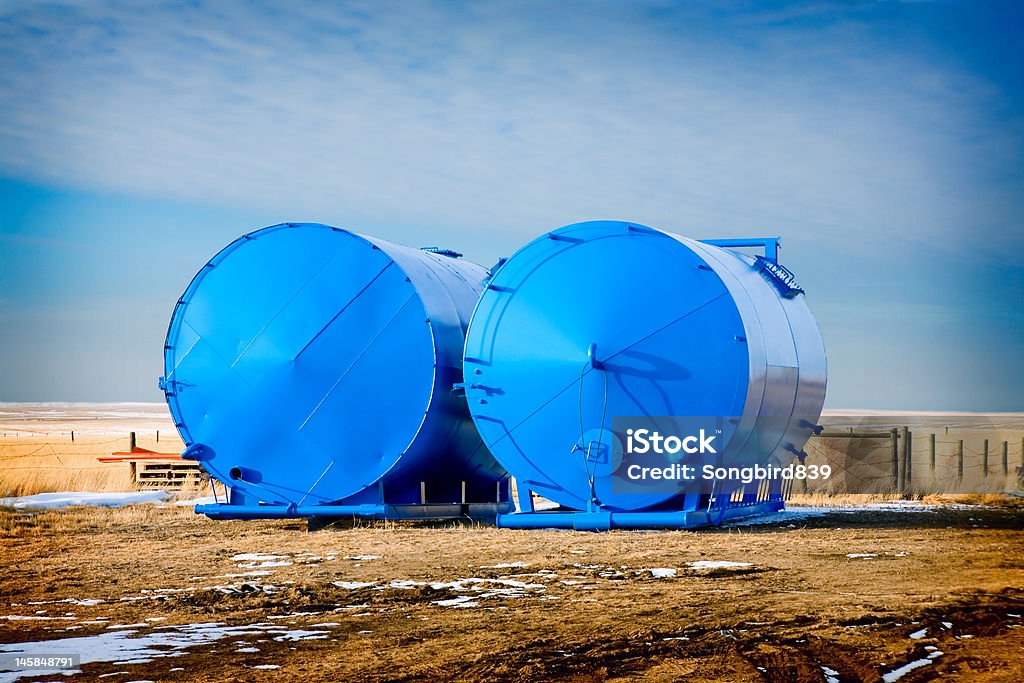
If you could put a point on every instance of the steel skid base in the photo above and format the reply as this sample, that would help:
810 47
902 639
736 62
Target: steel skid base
372 504
481 511
605 520
694 510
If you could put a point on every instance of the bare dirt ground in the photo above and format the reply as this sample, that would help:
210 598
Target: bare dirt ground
842 596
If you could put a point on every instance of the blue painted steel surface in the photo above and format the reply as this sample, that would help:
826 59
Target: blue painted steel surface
307 365
609 318
605 520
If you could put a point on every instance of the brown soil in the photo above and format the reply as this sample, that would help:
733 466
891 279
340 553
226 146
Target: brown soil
591 610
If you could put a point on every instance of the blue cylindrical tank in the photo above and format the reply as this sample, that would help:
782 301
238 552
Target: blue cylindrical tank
309 365
607 318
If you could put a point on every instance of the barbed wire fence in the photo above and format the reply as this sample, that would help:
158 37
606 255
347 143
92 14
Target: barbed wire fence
33 461
900 461
897 460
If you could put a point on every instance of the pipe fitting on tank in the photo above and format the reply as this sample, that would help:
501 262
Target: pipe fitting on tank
198 452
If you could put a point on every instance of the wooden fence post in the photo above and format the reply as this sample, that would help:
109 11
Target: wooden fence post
902 483
960 460
1006 454
984 459
894 439
131 441
910 461
931 453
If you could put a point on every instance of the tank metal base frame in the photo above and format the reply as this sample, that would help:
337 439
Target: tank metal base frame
481 511
606 520
696 510
371 504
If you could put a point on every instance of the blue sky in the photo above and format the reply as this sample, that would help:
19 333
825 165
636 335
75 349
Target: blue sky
882 140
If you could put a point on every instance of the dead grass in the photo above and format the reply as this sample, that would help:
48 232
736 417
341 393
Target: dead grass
990 499
14 523
824 499
600 616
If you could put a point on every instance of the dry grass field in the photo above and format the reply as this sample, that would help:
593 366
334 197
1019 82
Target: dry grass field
859 588
157 593
38 453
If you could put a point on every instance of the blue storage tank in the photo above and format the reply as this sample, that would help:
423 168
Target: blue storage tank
608 318
310 369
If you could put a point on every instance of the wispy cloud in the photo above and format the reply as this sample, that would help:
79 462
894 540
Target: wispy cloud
882 139
504 116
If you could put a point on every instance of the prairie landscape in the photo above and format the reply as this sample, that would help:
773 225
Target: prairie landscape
836 588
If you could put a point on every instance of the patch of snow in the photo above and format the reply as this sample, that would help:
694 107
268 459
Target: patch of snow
831 675
353 585
257 557
243 588
460 601
257 560
126 646
800 512
716 564
71 601
206 500
265 667
947 624
662 572
506 565
246 650
861 555
476 584
111 499
362 558
917 635
780 517
902 671
481 589
299 634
